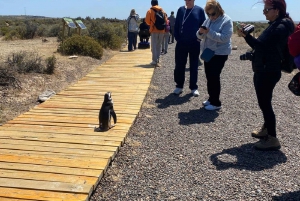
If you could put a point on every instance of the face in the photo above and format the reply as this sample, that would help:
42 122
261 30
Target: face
270 13
212 14
189 3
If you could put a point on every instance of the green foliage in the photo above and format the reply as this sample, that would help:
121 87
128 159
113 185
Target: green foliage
81 45
54 30
12 35
50 65
4 30
25 62
108 34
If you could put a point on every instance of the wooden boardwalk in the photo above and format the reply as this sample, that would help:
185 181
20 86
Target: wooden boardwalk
52 152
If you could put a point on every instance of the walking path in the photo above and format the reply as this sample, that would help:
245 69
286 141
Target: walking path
52 152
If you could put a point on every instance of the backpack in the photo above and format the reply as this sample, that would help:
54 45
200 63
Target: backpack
287 60
167 29
132 24
160 22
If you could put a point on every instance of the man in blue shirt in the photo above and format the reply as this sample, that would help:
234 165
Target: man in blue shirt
188 21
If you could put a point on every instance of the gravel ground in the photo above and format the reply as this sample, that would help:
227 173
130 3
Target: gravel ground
176 150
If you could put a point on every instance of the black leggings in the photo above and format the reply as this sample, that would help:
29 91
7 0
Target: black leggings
213 70
264 84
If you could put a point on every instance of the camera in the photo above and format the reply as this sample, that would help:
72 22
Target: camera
249 28
247 56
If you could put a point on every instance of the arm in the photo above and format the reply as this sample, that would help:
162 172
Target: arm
201 33
148 17
177 25
224 35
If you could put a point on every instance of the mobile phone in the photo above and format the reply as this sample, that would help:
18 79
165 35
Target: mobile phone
203 27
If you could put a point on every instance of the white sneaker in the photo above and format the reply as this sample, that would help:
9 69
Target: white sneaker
206 103
158 65
177 91
195 92
153 63
212 107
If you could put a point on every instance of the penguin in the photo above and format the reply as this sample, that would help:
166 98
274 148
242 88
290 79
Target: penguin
105 114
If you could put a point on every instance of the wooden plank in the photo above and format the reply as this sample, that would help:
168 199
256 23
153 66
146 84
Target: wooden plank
59 152
57 146
89 128
20 193
44 176
110 133
57 139
67 119
88 163
45 185
51 169
36 134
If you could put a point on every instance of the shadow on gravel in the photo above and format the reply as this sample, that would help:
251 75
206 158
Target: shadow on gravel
291 196
173 99
247 158
197 116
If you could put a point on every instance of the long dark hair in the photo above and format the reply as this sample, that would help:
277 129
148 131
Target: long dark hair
281 6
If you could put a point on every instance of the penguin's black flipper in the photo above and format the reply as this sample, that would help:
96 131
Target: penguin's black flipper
113 114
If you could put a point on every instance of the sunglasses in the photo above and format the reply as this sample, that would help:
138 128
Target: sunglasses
210 15
266 10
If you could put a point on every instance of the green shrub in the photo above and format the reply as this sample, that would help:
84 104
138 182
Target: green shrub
107 34
81 45
50 65
4 30
54 30
12 35
26 62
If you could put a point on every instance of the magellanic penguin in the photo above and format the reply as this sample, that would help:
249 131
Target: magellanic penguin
105 114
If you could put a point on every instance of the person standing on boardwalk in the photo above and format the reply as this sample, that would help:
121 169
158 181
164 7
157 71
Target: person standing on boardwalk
133 29
188 20
266 64
157 34
215 34
172 24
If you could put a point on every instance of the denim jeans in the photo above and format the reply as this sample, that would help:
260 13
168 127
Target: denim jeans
132 40
182 51
213 70
264 83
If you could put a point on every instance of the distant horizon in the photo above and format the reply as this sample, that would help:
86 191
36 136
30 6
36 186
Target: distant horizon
250 10
38 16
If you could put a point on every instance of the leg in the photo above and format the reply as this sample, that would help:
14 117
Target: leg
134 40
181 54
264 84
172 34
130 40
213 70
194 51
166 42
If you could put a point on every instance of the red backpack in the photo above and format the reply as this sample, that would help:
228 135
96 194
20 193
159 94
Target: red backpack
294 42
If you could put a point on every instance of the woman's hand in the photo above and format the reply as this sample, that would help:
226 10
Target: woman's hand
203 31
240 32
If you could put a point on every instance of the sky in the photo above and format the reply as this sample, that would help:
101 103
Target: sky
238 10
